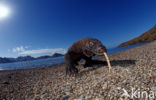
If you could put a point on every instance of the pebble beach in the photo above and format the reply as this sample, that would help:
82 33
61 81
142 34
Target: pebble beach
133 71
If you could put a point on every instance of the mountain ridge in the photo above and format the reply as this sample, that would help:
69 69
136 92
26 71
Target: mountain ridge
147 36
27 58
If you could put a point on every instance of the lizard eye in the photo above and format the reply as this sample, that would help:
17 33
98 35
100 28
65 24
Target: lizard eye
91 44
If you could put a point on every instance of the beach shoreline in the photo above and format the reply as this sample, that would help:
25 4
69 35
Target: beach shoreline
135 68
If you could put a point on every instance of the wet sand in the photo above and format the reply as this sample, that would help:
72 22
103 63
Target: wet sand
133 68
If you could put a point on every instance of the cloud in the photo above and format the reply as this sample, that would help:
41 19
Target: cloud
19 49
41 51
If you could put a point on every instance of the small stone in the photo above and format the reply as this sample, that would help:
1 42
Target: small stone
104 86
82 97
6 83
65 97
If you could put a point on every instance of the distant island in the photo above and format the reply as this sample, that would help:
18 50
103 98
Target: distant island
27 58
148 36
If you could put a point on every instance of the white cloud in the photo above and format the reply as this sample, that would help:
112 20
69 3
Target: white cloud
19 49
41 51
8 50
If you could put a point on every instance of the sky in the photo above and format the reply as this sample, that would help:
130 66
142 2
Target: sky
44 27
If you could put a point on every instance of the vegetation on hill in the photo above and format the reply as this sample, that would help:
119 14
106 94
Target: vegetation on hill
148 36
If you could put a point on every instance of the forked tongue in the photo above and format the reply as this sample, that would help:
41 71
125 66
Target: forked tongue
108 61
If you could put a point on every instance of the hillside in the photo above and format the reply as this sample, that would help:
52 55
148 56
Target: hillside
150 35
56 55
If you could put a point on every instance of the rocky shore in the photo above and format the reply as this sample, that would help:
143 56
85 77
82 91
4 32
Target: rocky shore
133 72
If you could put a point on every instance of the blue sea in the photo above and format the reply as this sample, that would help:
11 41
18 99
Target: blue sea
52 61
